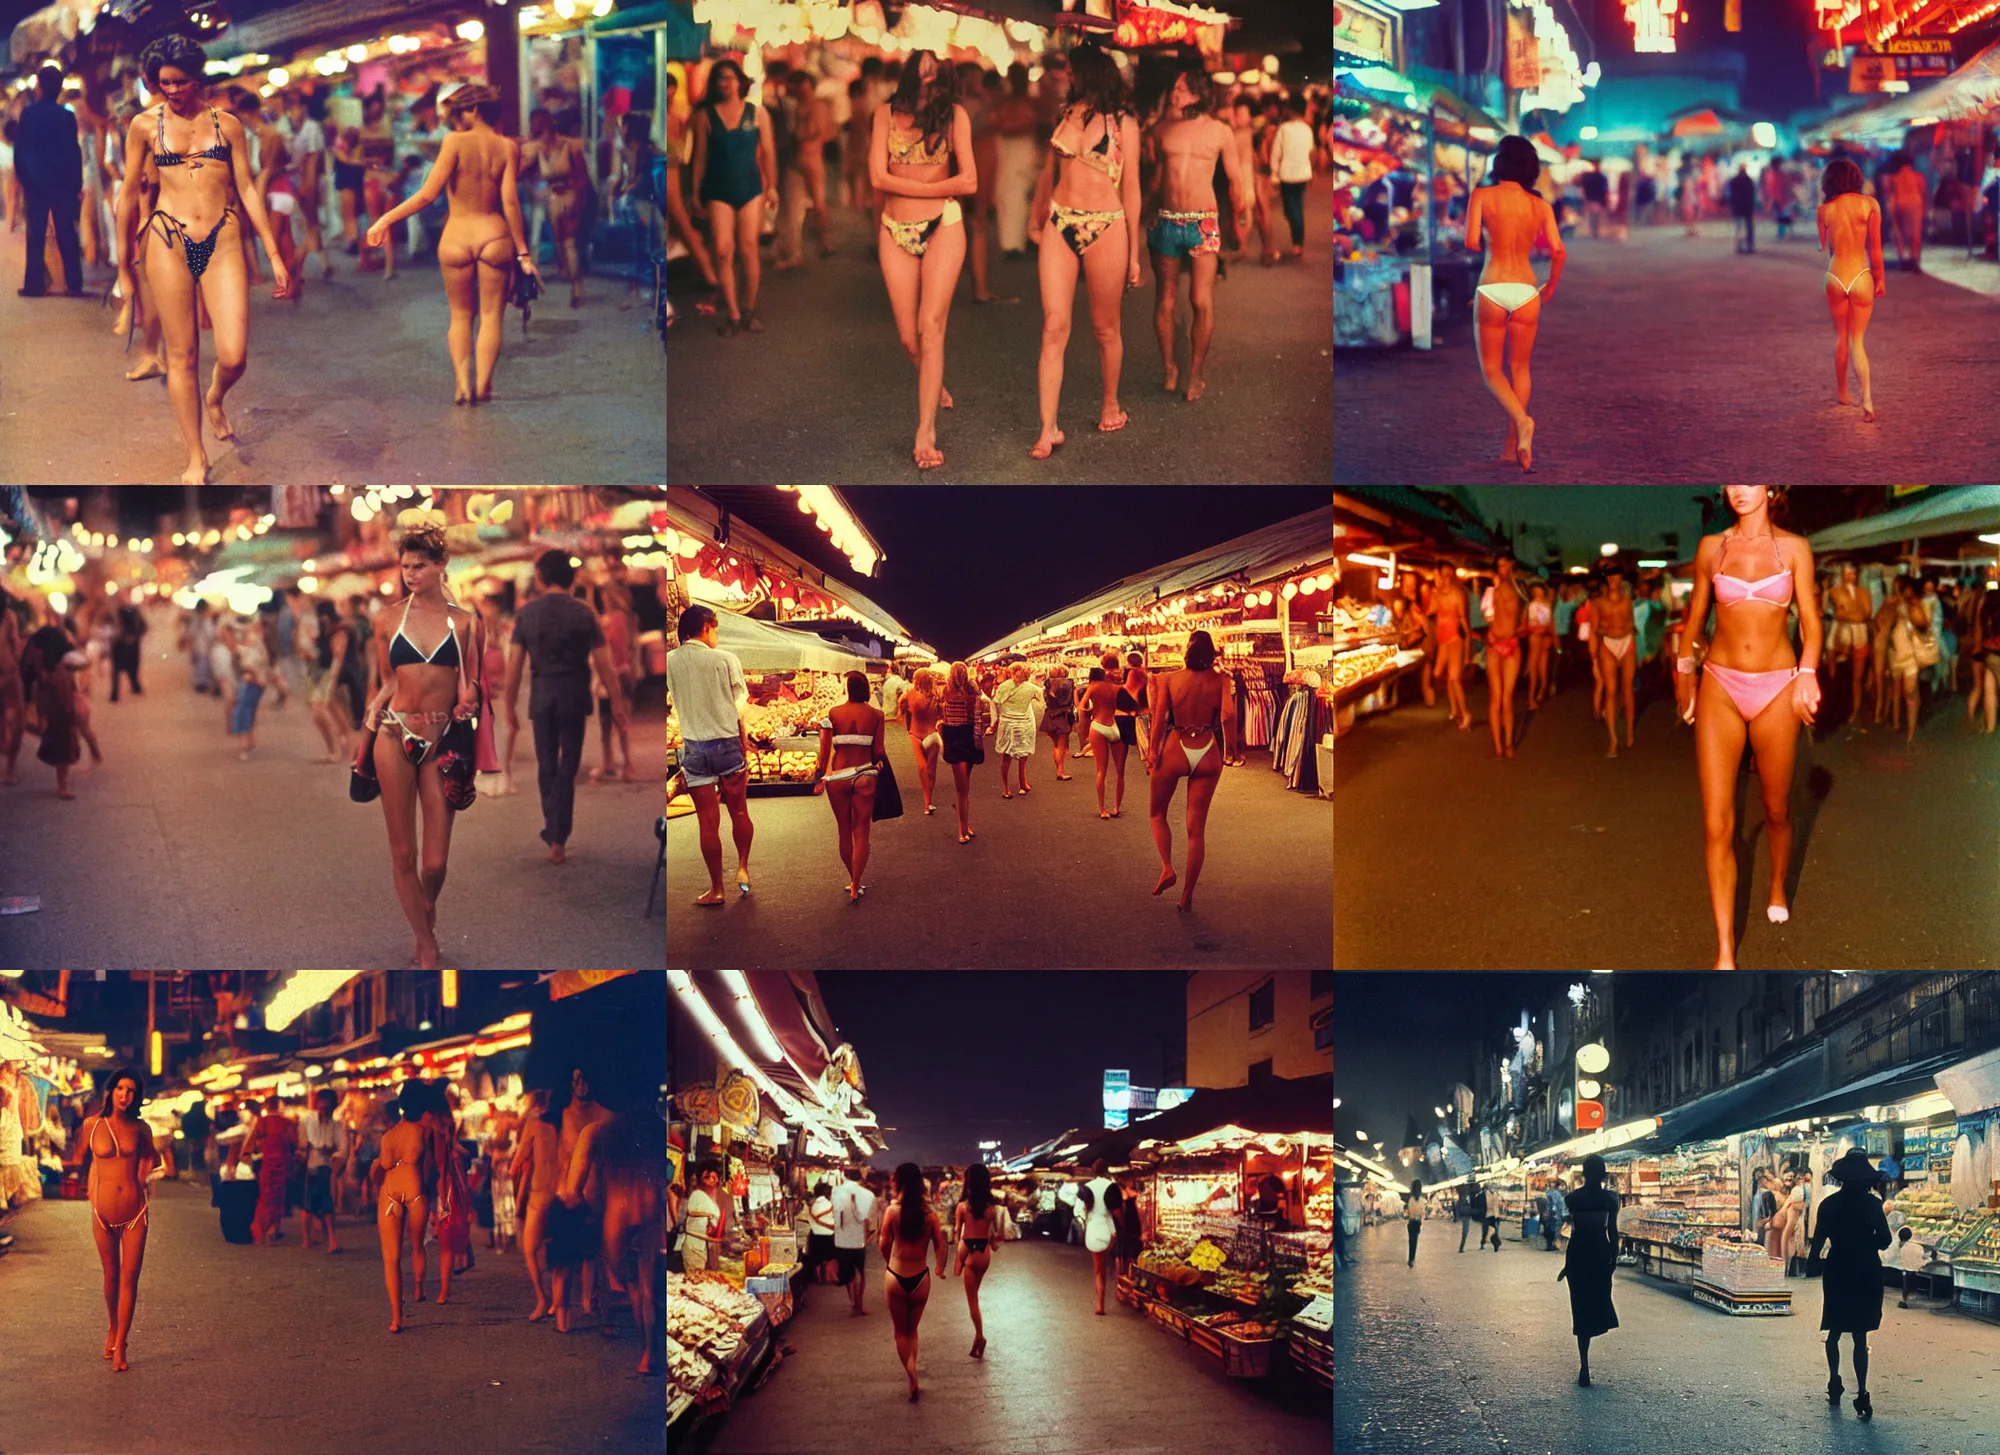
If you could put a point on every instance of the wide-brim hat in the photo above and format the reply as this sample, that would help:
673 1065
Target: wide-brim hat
1854 1167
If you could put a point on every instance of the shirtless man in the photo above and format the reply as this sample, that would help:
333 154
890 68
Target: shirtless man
920 712
1185 229
272 184
1852 608
815 130
1136 679
574 1236
536 1168
1100 702
626 1154
13 702
1504 632
1618 657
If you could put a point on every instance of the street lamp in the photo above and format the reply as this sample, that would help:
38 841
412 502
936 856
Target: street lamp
1336 1103
1361 1136
1438 1109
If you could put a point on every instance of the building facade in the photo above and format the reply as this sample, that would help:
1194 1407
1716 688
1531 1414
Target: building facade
1246 1026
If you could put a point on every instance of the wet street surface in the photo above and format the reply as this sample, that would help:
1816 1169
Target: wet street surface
1471 1354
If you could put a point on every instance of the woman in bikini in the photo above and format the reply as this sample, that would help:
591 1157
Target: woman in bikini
404 1171
1515 217
1750 687
1541 637
735 169
196 153
1191 709
920 712
1102 709
482 241
1090 200
978 1234
424 696
909 1230
850 743
123 1162
920 163
1850 228
1448 606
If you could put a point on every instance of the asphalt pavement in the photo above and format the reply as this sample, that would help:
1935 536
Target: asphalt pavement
243 1350
1045 883
827 394
350 385
1472 1353
174 852
1675 360
1054 1380
1562 859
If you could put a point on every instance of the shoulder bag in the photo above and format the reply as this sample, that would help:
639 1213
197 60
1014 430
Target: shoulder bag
888 796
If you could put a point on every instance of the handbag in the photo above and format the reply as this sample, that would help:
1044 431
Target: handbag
362 784
888 796
522 291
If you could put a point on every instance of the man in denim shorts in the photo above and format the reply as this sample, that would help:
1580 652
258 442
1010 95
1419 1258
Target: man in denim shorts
706 686
1186 232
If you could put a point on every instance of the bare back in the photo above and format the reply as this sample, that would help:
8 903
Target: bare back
1512 220
1847 225
1189 150
1195 701
923 711
402 1159
480 161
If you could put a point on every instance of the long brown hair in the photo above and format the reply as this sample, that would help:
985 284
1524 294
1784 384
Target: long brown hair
930 106
910 1222
1095 83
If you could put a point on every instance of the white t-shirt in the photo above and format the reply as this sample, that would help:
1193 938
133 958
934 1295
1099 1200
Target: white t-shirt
853 1205
703 1213
1291 152
893 688
822 1215
1099 1231
707 685
324 1138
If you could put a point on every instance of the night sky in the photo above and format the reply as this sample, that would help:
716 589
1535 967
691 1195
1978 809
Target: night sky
965 566
1580 518
1009 1056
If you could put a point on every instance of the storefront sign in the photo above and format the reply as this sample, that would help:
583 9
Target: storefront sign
698 1104
1364 33
1870 72
739 1102
1877 1142
1920 57
1524 54
1916 1152
1117 1098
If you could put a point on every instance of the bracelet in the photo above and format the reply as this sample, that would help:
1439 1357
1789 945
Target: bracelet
1684 666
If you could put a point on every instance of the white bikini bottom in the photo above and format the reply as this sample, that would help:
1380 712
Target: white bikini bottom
1105 730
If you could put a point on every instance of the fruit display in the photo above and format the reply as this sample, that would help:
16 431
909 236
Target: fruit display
1239 1286
784 767
1170 1267
1981 1245
1350 615
697 1326
1929 1213
1318 1277
1207 1257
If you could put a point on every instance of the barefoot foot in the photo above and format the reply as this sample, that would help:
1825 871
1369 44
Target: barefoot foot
1196 389
944 397
149 368
118 1363
1527 452
1046 444
196 473
1112 419
1168 879
218 420
1173 378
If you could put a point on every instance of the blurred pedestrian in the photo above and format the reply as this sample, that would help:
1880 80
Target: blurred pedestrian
48 163
405 1170
327 674
575 1219
195 1130
323 1140
612 605
130 629
819 1240
1107 742
1291 165
736 174
963 723
253 672
1059 715
270 1142
536 1170
1017 160
853 1211
1015 702
496 738
851 755
1100 1199
919 710
976 1217
1413 1218
1743 207
802 174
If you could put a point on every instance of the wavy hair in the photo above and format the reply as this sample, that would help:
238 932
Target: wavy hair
1094 82
178 51
910 1183
978 1189
929 105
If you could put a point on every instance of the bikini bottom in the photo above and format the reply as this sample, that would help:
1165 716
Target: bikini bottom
1080 228
1752 692
196 253
116 1229
914 238
909 1281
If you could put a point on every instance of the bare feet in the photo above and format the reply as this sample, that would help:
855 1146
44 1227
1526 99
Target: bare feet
149 368
979 1347
110 1340
1196 389
1168 879
395 1326
1112 419
944 397
557 854
562 1321
927 456
118 1363
218 421
461 393
646 1363
196 473
1173 378
1867 412
1046 444
1527 452
1510 453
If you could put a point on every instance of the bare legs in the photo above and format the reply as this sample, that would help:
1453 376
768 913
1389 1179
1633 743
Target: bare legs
1617 674
417 885
961 778
1720 734
1103 266
534 1244
1538 670
709 800
391 1218
1506 343
920 292
1503 670
1061 741
974 1268
734 229
906 1311
1851 312
1116 757
926 770
854 816
123 1256
1100 1267
1201 793
1452 654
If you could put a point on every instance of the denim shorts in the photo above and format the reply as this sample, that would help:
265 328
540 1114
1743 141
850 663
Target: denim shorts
248 695
706 760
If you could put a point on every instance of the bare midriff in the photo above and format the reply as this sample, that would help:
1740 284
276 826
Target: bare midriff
1188 153
1751 636
1847 230
914 209
114 1188
1512 221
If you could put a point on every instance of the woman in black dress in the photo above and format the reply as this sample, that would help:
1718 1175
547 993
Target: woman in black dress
1593 1253
1853 1220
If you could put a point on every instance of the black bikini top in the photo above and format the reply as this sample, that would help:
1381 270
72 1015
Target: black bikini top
216 153
403 652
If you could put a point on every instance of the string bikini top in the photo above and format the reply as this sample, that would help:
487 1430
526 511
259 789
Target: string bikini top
915 152
219 152
1771 590
1107 155
403 651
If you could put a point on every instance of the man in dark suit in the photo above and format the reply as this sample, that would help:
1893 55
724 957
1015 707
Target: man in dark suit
49 161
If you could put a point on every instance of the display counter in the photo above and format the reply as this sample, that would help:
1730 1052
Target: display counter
1371 301
718 1337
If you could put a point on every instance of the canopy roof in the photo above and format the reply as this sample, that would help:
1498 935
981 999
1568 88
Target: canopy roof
1936 513
762 647
1281 1106
1971 90
1261 555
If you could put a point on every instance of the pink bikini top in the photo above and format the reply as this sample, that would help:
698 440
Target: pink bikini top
1771 590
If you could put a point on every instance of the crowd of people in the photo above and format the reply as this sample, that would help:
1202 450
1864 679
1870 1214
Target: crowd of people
576 1181
1175 718
177 188
942 160
962 1216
